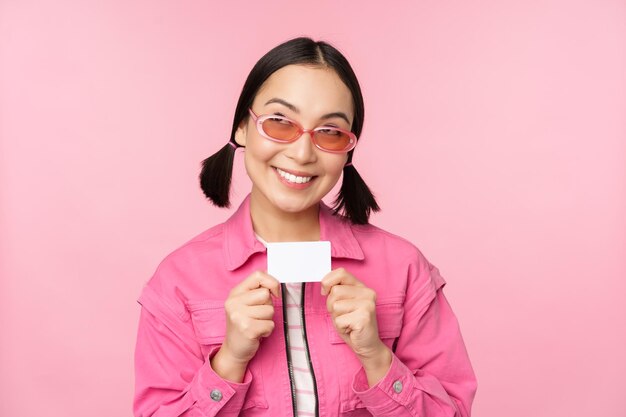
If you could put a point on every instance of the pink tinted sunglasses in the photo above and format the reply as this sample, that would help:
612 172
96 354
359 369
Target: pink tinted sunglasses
284 130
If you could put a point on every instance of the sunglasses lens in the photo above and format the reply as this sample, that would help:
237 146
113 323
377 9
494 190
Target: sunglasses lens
332 140
327 138
280 129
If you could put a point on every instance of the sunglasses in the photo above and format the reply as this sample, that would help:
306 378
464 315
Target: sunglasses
284 130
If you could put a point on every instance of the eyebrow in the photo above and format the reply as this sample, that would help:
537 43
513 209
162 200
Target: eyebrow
296 110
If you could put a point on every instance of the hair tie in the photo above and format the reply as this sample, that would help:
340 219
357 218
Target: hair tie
233 144
349 164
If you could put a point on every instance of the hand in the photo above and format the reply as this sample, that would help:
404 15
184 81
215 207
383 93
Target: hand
249 312
353 309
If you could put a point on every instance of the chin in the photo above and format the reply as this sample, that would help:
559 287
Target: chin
293 205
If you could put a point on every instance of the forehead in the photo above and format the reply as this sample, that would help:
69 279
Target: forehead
313 90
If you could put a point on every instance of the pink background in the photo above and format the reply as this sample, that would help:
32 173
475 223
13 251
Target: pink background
494 138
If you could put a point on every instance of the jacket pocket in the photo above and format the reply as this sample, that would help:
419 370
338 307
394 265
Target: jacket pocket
389 317
209 323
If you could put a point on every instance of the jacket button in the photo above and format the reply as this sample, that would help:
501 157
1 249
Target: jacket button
216 395
397 387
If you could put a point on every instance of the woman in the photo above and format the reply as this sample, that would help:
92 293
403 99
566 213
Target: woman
219 336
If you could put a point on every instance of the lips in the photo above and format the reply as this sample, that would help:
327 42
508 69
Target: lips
295 177
292 180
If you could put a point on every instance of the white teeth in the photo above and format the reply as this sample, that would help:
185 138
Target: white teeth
293 178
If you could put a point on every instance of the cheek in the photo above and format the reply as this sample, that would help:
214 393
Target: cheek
259 150
335 163
334 169
337 171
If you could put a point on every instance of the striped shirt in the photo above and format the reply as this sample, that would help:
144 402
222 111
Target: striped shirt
305 396
303 378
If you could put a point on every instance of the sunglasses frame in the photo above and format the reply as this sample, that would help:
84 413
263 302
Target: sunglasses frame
258 120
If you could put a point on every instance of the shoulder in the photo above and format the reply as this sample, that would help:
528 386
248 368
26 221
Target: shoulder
199 248
375 240
397 254
181 268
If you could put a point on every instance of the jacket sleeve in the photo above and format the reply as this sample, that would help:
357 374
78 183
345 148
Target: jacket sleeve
172 378
430 373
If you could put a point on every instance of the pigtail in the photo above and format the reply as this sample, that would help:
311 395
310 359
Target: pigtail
354 198
216 175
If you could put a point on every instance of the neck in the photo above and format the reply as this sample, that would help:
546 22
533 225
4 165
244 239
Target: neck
275 225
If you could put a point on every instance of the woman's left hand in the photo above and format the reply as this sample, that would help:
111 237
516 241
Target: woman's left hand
353 309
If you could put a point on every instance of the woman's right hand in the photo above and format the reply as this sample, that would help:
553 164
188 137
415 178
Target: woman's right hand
249 317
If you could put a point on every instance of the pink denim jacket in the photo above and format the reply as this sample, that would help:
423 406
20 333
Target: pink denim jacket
182 324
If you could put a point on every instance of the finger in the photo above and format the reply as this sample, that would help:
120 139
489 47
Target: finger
255 297
338 276
343 292
265 327
262 312
258 279
340 292
366 307
253 329
350 322
341 307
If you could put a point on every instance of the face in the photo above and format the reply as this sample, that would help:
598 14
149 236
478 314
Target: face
294 177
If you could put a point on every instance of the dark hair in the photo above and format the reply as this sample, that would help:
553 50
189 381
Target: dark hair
354 200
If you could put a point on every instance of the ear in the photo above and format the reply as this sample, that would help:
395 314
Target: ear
242 132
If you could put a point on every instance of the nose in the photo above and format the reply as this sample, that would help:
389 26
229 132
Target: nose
302 150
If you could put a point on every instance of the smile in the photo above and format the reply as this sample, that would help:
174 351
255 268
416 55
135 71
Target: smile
293 178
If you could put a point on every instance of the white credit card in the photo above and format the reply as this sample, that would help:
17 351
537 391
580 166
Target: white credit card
298 261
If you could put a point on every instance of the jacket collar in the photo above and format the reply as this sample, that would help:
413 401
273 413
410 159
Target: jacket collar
240 242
